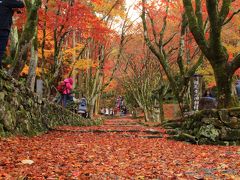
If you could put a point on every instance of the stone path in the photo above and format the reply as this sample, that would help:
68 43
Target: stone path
124 127
119 149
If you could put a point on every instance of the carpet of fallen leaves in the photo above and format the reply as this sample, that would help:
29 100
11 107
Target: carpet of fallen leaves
120 149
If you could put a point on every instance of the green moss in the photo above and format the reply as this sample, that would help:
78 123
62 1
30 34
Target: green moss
209 132
2 132
24 113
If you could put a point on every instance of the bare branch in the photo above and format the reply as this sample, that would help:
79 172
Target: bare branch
170 39
230 18
146 37
164 26
108 13
196 31
153 28
224 10
235 63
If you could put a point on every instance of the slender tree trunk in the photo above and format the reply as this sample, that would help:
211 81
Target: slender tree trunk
43 43
74 58
92 107
33 63
146 115
162 118
97 105
13 42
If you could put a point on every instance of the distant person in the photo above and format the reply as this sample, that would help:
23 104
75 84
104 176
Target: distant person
82 108
66 93
107 111
7 9
103 111
124 110
207 93
122 102
111 111
118 102
207 101
238 88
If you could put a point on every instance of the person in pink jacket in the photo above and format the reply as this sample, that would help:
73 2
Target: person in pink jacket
67 91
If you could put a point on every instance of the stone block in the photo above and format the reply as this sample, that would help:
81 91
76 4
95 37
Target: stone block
228 134
207 103
223 115
234 123
209 132
2 96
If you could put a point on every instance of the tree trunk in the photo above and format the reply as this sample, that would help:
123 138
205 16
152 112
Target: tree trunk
14 41
26 38
97 105
224 87
92 107
162 118
147 115
74 73
33 64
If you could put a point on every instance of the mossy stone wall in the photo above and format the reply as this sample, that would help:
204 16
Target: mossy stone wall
23 112
216 126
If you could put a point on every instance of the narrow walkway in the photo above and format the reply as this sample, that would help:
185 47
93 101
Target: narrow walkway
120 149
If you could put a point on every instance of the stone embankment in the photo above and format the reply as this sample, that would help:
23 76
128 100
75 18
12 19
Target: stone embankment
216 126
23 112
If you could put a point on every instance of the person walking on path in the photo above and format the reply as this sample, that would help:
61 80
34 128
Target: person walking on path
7 9
67 91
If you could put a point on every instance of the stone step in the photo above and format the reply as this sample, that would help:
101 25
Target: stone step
143 136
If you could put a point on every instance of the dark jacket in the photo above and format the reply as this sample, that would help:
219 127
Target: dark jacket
6 12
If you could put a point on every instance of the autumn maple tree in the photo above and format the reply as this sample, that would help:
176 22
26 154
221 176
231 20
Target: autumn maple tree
98 51
219 13
78 38
180 61
141 79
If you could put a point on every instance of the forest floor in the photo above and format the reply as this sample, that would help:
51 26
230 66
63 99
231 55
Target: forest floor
119 149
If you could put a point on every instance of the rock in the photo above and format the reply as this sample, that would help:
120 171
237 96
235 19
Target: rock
228 134
204 140
15 101
2 95
2 133
215 121
209 132
207 103
172 132
234 112
223 115
207 120
9 120
27 161
8 87
234 123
